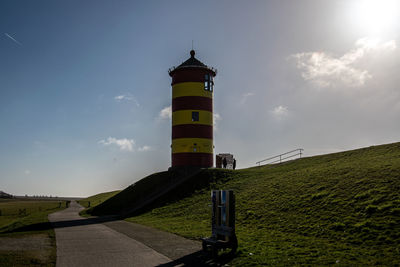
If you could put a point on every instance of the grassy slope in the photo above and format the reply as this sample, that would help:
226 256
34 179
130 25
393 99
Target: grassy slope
97 199
135 193
337 208
20 214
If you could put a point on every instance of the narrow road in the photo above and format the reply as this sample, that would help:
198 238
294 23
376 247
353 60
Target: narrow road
85 242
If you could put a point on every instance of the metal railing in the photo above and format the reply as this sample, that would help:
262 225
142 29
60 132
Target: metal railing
279 158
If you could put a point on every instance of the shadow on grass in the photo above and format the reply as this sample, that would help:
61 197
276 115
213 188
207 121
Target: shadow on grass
200 258
63 224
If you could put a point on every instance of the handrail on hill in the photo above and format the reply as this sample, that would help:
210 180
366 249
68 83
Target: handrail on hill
297 152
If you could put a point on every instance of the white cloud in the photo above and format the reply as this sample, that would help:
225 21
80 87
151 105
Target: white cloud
216 119
280 111
245 96
121 97
248 94
349 70
166 113
123 144
27 172
144 148
127 97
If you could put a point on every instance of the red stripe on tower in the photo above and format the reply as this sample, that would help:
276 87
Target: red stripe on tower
192 102
192 131
203 160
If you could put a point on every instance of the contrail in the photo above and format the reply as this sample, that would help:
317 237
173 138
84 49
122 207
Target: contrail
12 38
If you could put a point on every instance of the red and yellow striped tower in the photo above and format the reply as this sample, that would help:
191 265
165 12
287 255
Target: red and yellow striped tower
192 114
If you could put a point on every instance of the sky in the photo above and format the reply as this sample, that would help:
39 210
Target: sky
85 93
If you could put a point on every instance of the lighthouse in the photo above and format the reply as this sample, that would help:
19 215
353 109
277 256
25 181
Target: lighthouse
192 114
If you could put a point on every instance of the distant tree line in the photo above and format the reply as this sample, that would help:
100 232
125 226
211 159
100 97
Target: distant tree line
5 195
41 196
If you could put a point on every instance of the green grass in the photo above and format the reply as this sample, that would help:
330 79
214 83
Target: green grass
341 208
134 194
97 199
24 219
338 208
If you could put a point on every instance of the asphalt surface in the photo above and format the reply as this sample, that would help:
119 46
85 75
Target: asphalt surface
88 242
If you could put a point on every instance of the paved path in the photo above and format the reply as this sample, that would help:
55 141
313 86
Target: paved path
87 242
170 245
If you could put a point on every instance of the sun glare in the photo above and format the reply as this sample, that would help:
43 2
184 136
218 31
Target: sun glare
377 16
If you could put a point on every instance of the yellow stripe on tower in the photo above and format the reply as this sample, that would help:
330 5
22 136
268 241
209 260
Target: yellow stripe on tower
190 89
185 117
185 145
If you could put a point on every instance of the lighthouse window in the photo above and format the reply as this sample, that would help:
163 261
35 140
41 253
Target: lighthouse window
195 116
208 82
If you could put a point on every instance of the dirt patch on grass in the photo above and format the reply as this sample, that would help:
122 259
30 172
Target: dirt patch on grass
32 242
32 250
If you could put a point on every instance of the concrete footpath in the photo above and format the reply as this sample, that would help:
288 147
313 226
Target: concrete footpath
88 242
173 246
107 241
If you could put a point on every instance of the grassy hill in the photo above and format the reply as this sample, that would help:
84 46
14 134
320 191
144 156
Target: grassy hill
338 208
95 200
152 185
5 195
